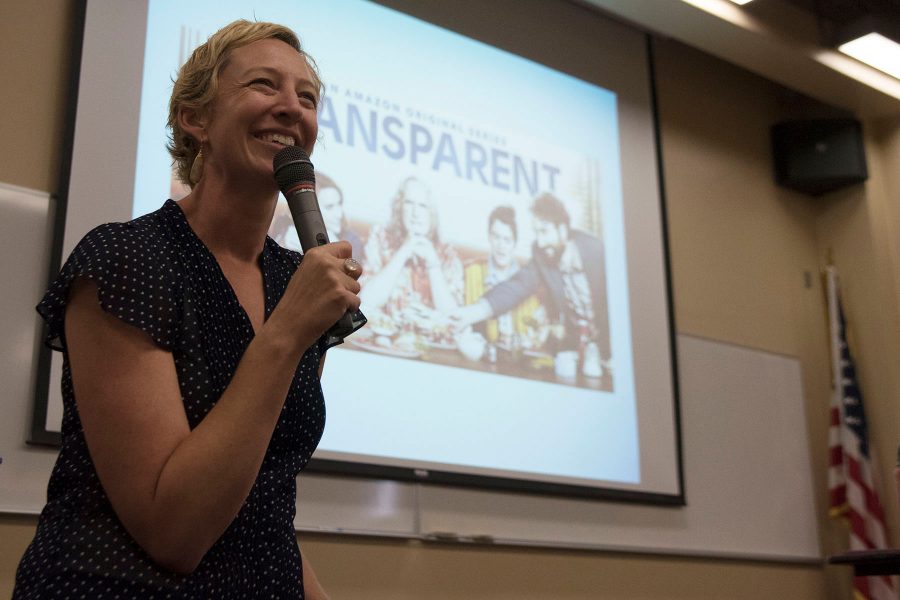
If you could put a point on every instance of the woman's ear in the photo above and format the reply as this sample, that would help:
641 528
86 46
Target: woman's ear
192 122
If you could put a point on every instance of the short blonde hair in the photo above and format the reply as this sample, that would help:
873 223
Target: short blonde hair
198 81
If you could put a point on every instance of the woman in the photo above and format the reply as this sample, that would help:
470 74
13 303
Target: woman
192 349
412 278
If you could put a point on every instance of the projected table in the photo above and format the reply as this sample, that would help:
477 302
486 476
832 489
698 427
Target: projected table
514 364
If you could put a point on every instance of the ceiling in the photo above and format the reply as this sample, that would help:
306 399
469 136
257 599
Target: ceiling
838 9
843 10
786 41
833 15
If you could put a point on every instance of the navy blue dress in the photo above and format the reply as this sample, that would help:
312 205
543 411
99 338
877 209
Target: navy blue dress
155 274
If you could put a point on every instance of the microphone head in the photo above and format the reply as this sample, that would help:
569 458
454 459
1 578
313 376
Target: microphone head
292 167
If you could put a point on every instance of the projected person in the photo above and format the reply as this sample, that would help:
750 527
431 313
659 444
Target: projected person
567 264
193 349
412 279
524 326
331 204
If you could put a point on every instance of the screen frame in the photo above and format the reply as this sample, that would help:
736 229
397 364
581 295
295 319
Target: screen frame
40 435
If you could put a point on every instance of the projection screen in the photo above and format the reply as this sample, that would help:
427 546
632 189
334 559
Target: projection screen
520 151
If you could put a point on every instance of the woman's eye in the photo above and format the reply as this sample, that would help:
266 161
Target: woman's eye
310 99
263 82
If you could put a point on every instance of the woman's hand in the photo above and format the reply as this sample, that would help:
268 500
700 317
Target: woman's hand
423 248
404 253
320 292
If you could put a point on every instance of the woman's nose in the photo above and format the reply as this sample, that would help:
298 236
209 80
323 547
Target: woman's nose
290 107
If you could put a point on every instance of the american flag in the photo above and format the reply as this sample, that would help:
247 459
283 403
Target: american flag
851 475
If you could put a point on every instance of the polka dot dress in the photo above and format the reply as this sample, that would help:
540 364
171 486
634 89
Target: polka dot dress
156 274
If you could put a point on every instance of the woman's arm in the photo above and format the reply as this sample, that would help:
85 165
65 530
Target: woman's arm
464 316
176 490
379 286
441 291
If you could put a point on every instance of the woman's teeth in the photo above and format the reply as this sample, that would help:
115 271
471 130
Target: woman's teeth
284 140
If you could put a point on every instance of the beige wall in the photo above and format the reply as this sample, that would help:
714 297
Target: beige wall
741 250
35 67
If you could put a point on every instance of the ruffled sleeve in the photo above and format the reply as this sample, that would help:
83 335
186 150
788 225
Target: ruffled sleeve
136 279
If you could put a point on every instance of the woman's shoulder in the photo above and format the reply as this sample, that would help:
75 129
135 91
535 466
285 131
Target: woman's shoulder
145 229
149 243
138 270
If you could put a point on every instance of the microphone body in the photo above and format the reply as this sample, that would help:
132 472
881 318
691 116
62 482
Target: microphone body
307 216
296 178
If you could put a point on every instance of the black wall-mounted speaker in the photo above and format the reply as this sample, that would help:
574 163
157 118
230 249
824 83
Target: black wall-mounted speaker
819 155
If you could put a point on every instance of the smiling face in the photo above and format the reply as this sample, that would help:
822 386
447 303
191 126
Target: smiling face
416 209
550 238
267 99
502 240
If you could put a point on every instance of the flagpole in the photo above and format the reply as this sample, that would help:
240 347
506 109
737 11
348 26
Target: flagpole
837 477
853 466
825 273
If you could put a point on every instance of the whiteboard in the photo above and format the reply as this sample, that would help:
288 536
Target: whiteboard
25 242
748 479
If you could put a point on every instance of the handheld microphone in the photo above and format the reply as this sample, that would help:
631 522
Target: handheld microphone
296 179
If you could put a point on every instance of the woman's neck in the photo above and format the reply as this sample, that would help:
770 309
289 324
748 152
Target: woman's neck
231 224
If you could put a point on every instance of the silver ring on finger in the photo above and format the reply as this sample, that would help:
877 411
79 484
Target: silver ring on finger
352 267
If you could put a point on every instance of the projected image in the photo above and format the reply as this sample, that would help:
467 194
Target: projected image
481 306
482 193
